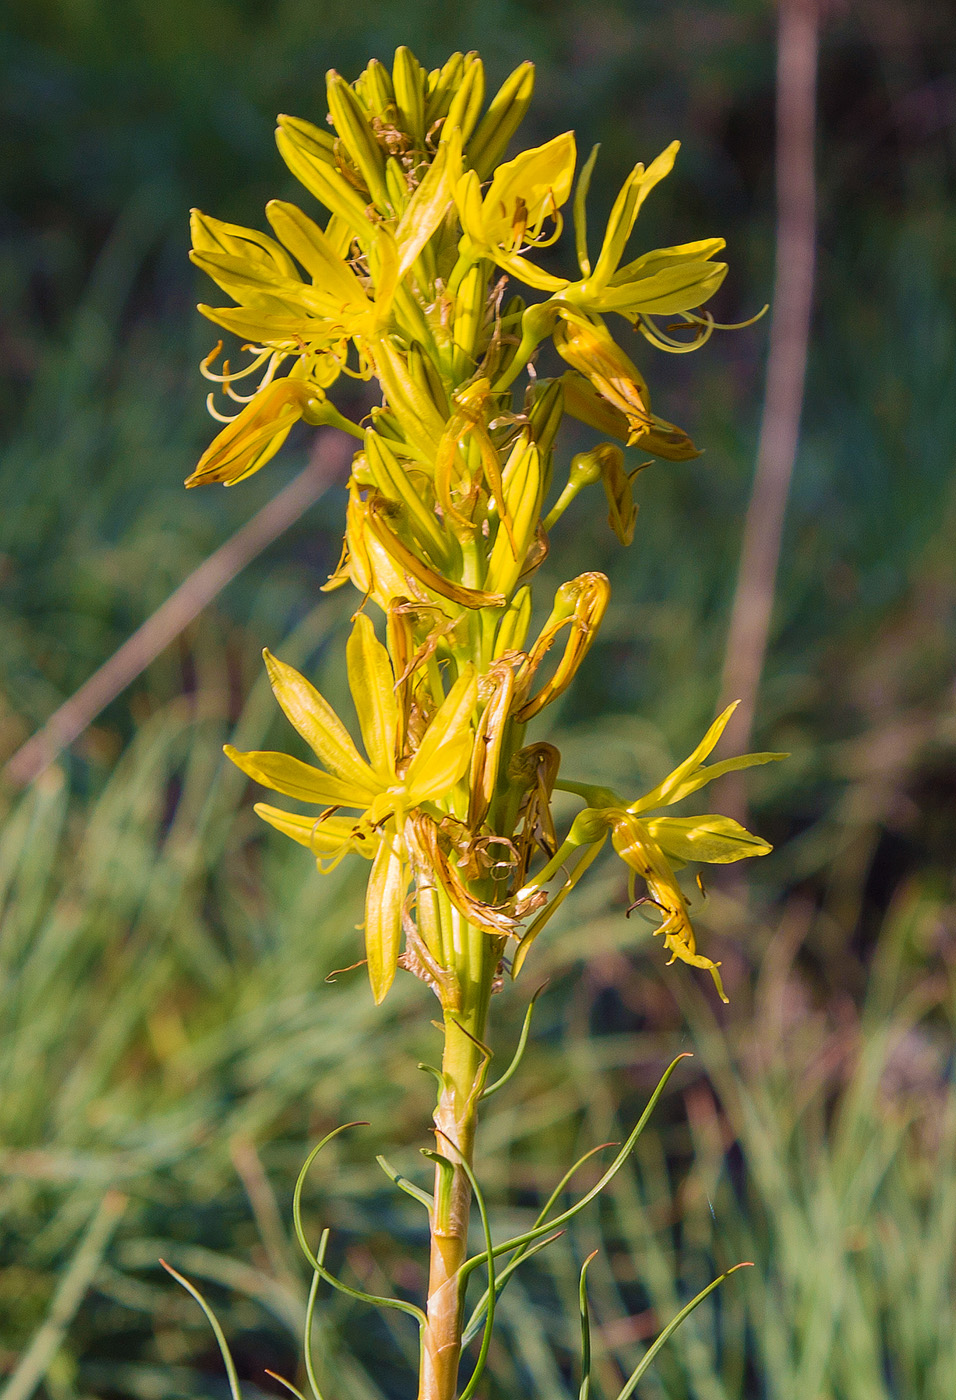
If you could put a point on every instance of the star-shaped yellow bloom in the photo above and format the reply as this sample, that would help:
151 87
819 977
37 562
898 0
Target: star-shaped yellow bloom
654 847
384 788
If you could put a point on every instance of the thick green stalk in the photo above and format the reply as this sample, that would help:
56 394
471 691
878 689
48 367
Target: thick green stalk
464 1065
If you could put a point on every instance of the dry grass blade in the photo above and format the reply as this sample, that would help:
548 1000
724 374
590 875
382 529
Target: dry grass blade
797 46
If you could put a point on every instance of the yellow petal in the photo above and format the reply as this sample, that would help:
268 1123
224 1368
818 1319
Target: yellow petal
672 289
527 190
320 726
255 435
307 242
384 899
287 331
372 685
408 560
293 778
505 113
443 755
324 836
257 285
690 775
715 839
487 748
522 486
663 794
626 208
308 152
659 258
429 204
211 235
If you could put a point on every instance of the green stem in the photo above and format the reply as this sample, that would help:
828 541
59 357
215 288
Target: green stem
464 1067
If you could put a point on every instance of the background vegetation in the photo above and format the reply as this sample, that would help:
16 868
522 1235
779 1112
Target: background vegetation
168 1050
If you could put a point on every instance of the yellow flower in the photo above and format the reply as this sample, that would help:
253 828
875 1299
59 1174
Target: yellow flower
661 282
255 435
654 847
385 788
276 306
524 195
585 343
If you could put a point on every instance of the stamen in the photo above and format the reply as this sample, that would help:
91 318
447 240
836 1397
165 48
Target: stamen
652 332
228 373
214 412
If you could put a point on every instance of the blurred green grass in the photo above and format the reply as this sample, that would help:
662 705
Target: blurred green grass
166 1030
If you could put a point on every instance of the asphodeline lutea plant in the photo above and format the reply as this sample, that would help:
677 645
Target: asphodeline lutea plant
406 279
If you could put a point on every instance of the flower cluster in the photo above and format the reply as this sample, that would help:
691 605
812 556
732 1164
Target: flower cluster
450 504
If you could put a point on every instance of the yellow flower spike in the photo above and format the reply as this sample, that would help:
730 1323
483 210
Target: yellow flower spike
255 435
489 738
579 605
408 81
309 153
444 753
313 717
373 690
505 113
358 138
384 902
